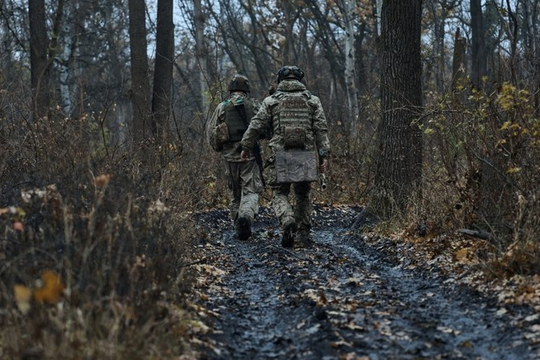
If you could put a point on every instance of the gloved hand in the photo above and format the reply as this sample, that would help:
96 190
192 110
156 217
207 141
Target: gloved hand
244 155
323 166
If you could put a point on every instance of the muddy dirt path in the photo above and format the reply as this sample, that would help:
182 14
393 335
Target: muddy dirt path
341 299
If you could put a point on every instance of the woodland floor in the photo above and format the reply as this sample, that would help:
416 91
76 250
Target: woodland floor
351 296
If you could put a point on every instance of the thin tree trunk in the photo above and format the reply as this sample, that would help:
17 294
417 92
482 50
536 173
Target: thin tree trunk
458 67
140 84
288 57
161 99
348 8
478 47
200 51
40 71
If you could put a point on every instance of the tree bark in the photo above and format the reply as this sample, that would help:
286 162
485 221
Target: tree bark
201 52
140 84
290 14
348 8
478 48
161 99
40 70
458 68
399 169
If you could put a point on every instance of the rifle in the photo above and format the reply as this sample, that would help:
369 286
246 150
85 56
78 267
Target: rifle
239 106
322 181
322 176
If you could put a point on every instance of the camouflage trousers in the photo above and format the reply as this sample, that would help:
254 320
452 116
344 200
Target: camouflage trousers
301 212
244 183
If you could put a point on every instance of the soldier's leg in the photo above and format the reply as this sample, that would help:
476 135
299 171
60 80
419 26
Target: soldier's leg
303 209
234 187
284 212
249 204
250 179
280 203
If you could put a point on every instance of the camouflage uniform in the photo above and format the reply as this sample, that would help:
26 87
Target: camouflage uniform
243 177
317 139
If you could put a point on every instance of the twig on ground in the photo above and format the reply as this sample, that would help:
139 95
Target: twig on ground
292 253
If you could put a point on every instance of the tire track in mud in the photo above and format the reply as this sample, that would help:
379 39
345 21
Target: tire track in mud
342 299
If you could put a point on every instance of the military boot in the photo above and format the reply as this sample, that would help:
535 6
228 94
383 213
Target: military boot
243 228
303 238
289 233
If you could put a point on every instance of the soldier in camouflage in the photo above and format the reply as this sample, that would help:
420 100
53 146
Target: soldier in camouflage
225 130
304 114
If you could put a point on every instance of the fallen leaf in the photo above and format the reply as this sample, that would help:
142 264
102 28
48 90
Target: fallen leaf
336 344
17 225
23 295
532 317
312 330
102 180
51 290
501 311
462 254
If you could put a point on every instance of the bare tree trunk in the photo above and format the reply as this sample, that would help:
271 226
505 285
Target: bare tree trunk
438 48
290 15
378 7
458 67
40 70
532 41
348 8
478 48
161 99
362 82
200 50
140 84
399 166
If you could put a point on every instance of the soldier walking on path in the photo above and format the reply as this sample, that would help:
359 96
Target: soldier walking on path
299 148
226 128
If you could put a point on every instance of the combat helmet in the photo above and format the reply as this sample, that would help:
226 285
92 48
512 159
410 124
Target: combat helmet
239 83
290 72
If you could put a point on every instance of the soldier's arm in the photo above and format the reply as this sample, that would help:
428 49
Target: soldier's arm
256 127
216 119
320 128
256 105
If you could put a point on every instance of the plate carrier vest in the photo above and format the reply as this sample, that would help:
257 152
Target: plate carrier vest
233 119
294 118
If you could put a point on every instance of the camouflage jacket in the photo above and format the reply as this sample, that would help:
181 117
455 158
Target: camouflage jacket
228 150
266 118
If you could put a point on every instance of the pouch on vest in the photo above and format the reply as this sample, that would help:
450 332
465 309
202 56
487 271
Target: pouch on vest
222 134
294 137
296 166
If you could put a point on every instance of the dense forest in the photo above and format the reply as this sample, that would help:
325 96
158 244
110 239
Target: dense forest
433 110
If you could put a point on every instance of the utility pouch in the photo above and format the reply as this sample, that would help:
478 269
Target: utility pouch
294 137
222 134
296 166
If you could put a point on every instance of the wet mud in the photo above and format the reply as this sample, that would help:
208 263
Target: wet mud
342 298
